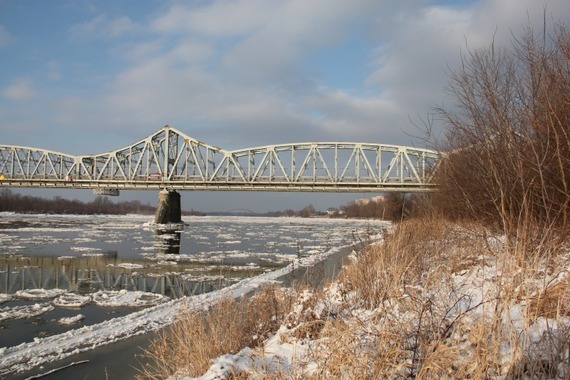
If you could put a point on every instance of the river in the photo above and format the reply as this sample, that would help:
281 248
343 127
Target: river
123 264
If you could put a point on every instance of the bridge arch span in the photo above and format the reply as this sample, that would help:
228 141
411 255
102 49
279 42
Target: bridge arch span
170 159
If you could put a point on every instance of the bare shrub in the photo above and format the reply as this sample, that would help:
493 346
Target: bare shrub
508 137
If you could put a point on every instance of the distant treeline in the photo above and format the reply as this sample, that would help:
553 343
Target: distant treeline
10 201
394 207
305 212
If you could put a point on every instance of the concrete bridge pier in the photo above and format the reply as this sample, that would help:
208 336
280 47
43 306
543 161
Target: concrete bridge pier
168 210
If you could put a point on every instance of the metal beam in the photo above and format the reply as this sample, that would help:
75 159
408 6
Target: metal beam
170 159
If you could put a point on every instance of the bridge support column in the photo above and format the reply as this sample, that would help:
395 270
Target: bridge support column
168 210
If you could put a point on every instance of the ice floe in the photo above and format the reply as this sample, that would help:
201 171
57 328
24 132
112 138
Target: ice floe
71 320
72 300
38 294
26 311
123 297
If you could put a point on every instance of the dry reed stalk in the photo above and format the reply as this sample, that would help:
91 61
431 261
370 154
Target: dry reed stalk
197 337
417 332
405 312
552 302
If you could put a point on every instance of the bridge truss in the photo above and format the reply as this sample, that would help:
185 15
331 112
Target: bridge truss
169 159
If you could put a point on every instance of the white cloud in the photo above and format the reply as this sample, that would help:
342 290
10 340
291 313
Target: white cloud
20 90
345 115
217 19
5 36
54 70
235 70
102 26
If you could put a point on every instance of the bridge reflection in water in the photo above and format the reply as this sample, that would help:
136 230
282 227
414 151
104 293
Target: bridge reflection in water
160 273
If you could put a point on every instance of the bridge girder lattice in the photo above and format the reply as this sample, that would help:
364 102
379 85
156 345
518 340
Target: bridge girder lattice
169 159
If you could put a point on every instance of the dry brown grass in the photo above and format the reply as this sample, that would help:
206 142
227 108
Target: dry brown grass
197 337
413 254
421 323
435 300
553 301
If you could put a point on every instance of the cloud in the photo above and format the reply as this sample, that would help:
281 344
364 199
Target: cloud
234 73
235 64
54 70
5 37
103 26
354 117
263 41
20 90
412 64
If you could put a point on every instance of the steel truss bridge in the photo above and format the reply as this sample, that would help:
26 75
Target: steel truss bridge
169 159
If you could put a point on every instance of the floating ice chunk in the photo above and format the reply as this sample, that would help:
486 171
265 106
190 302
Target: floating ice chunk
85 249
4 298
71 300
66 258
83 240
71 320
27 311
166 262
126 298
127 266
39 294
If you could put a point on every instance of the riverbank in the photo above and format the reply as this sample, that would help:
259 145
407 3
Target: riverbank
437 300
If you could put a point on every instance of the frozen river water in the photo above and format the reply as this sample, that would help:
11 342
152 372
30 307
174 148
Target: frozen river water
61 273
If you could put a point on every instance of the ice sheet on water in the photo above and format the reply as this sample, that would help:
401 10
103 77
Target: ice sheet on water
38 294
126 298
85 249
72 300
66 258
83 240
130 266
4 298
71 320
26 311
166 262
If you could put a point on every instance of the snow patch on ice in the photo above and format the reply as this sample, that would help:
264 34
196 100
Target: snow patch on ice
4 298
125 298
38 294
26 311
72 300
71 320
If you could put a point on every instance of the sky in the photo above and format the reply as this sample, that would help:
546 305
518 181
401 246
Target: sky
87 76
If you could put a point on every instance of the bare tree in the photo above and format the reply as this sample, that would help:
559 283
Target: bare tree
508 134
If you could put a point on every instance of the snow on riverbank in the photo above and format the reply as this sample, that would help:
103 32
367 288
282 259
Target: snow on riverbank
527 338
29 355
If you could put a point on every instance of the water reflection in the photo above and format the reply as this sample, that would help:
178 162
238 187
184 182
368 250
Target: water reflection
107 272
87 254
168 241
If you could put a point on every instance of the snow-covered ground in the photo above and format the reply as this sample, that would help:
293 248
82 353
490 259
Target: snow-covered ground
468 299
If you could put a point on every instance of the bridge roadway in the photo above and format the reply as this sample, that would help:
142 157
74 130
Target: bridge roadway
169 159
